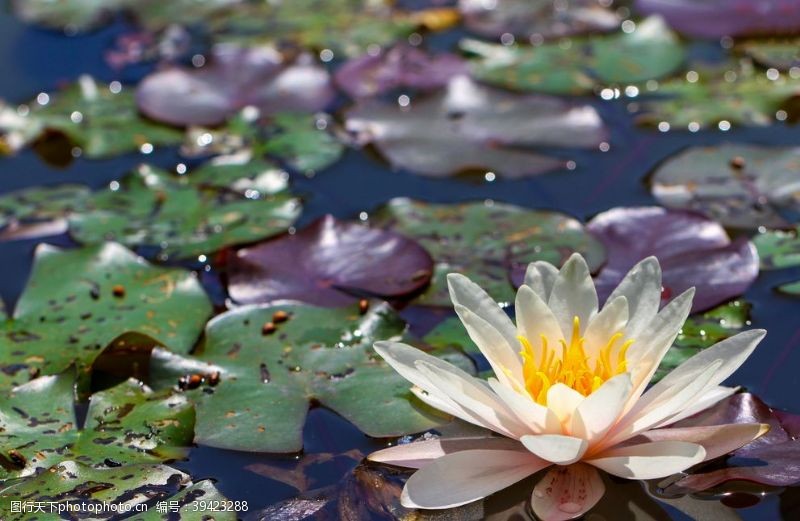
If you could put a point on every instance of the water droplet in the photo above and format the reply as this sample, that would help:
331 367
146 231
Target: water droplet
326 55
628 26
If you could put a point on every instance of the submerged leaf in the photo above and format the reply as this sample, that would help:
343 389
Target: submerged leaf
693 252
330 263
741 186
483 241
469 126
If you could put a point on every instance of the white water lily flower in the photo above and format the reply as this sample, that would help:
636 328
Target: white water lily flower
569 392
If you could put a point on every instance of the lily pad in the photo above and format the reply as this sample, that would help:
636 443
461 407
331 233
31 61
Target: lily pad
185 217
693 252
781 54
778 249
741 186
236 77
791 288
130 489
273 361
526 19
78 302
649 52
703 330
716 18
126 424
39 211
483 241
100 121
402 66
469 126
450 333
330 263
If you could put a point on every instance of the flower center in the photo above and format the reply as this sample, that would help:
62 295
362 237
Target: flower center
573 368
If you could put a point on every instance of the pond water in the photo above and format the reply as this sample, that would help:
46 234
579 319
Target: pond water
34 60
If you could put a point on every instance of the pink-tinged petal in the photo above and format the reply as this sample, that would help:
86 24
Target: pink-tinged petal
573 294
567 492
600 410
464 477
652 460
556 448
540 277
538 418
718 440
563 401
420 453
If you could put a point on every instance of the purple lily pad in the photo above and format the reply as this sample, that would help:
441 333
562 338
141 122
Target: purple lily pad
400 66
534 19
693 251
773 459
716 18
236 77
472 127
330 263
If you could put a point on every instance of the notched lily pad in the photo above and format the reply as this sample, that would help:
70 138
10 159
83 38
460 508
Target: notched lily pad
330 263
235 77
470 127
261 367
693 252
126 424
185 216
483 241
741 186
77 302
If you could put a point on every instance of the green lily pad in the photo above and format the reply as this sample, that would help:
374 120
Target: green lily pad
450 333
731 93
484 241
791 288
781 54
134 490
580 65
126 424
39 211
704 330
95 119
183 217
271 362
78 302
778 249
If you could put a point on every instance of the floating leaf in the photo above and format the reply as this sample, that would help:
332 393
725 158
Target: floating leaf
330 263
402 66
649 52
271 362
536 19
742 186
451 333
477 239
99 121
78 302
185 217
778 249
702 331
38 211
236 77
792 288
125 424
693 252
717 18
469 126
781 54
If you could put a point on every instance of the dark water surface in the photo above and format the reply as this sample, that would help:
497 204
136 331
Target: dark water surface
33 60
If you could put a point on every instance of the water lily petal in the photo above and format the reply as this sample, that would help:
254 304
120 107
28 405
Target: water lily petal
420 453
541 277
702 403
567 492
608 322
563 401
538 418
464 292
464 477
557 448
642 289
534 319
717 440
652 460
600 410
573 294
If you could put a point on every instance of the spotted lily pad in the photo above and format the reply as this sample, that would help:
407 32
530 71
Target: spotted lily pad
77 302
716 18
693 252
100 121
649 52
778 249
130 489
703 330
126 424
40 210
402 66
483 241
273 361
330 263
532 19
781 54
469 127
185 217
236 77
742 186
